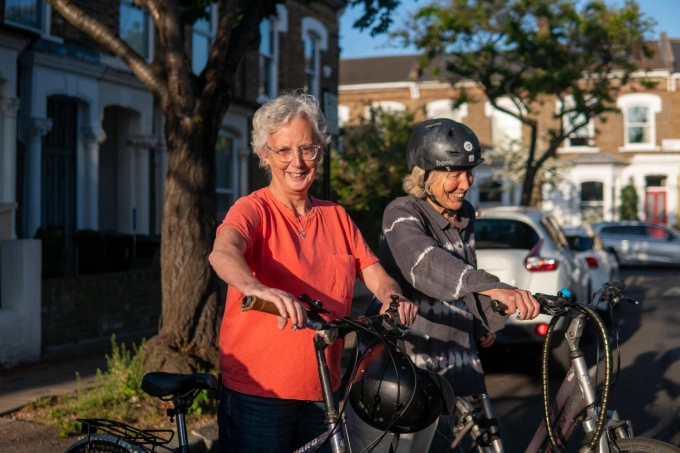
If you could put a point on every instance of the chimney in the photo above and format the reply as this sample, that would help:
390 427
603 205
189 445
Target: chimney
666 51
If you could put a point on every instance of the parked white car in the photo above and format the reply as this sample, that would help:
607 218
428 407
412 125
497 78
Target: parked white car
602 264
526 248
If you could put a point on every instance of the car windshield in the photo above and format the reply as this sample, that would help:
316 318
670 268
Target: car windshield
504 234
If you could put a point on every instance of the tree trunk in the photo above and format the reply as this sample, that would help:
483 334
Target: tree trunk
191 313
529 181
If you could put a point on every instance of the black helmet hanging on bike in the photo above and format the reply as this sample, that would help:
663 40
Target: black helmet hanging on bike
390 393
443 144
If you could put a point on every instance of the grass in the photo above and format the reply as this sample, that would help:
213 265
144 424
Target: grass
116 395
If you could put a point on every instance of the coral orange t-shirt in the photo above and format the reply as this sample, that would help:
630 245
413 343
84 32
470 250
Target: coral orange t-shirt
256 357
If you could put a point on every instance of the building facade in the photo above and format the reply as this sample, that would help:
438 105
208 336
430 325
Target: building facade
82 151
639 143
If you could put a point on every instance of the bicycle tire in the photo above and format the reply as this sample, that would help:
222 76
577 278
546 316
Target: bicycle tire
644 445
104 443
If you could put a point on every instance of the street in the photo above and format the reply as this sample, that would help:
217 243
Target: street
647 391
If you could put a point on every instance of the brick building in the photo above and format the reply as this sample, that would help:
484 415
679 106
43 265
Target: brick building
641 141
82 153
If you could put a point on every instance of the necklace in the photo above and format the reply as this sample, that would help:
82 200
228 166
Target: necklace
302 228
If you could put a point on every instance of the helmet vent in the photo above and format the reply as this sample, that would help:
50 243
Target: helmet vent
452 132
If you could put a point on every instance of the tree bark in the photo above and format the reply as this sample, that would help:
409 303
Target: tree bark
191 313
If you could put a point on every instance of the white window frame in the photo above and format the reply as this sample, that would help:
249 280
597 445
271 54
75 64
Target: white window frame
442 108
314 29
597 203
652 103
513 133
149 27
343 115
279 24
386 106
46 22
234 189
587 131
210 35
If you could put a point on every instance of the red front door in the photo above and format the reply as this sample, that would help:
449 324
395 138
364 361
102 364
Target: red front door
655 206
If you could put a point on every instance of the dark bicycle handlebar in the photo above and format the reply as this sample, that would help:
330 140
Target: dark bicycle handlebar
560 303
388 323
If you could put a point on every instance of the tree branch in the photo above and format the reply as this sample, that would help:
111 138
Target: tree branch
152 7
107 39
180 87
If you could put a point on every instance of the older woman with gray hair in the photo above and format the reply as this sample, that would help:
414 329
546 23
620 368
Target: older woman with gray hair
277 243
427 246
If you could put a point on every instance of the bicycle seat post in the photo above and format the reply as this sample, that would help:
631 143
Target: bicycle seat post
181 404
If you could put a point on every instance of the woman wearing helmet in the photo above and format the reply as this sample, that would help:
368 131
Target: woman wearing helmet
427 245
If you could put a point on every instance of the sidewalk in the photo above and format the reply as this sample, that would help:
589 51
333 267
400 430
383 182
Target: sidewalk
25 384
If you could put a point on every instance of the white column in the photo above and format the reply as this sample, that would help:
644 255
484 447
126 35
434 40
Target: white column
8 152
162 168
141 146
35 129
92 137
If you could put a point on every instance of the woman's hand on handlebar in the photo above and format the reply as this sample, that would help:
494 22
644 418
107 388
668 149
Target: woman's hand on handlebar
289 307
407 310
516 300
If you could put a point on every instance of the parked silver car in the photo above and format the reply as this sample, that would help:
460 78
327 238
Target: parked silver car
641 243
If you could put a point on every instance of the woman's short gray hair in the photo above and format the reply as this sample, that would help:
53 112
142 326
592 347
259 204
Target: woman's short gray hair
278 112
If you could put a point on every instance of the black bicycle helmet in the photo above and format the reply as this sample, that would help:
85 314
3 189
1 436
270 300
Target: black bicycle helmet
390 393
443 144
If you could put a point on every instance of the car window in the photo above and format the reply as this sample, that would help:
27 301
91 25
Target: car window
580 243
628 230
656 233
504 234
555 231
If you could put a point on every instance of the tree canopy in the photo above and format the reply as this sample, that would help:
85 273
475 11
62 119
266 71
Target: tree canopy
532 52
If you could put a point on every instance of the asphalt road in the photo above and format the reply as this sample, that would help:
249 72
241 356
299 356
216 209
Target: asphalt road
647 391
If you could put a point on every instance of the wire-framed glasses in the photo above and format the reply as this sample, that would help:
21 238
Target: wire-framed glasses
286 153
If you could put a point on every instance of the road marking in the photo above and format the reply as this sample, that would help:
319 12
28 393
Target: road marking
672 291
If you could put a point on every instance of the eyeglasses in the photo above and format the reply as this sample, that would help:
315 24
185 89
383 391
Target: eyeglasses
285 154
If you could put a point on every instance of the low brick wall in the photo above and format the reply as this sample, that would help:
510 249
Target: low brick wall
80 313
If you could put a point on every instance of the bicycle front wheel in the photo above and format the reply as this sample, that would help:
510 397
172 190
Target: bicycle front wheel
642 445
104 443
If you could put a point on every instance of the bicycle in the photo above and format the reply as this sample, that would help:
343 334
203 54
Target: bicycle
576 400
181 389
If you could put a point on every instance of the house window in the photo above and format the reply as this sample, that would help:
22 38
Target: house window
592 202
581 140
27 13
267 59
201 40
443 108
315 39
505 128
385 106
312 64
639 121
226 161
491 192
135 28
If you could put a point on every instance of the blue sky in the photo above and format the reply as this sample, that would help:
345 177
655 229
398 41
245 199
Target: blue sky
356 44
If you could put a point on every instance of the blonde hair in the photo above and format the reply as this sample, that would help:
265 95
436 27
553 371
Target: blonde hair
415 184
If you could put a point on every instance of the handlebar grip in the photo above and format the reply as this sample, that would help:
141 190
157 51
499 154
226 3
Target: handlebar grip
255 303
499 307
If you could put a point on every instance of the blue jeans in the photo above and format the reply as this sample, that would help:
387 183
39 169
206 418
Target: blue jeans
257 424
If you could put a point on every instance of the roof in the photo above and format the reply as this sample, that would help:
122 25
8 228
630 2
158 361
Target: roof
378 70
405 68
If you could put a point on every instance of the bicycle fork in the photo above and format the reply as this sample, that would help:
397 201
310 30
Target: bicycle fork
475 416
